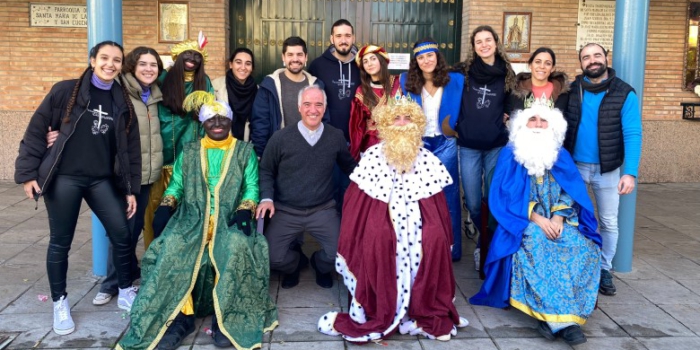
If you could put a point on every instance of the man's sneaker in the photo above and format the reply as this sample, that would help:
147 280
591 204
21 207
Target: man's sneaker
126 298
477 259
178 330
62 321
102 298
606 283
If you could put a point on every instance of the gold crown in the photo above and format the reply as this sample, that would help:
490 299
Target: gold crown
193 45
400 100
543 101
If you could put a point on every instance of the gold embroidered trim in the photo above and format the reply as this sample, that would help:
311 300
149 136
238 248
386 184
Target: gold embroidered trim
247 204
169 200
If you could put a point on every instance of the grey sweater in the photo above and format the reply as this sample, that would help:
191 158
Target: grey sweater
298 175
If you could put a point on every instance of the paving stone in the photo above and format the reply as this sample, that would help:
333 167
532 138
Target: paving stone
624 342
32 328
688 315
320 345
92 329
641 270
309 294
539 343
510 323
600 325
24 235
676 268
30 303
693 285
10 250
665 292
675 343
690 250
475 328
10 292
641 320
472 344
300 324
386 344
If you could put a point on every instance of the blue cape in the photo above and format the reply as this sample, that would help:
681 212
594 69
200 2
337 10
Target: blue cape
508 202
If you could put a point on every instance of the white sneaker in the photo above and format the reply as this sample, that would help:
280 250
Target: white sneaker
62 321
126 298
102 298
477 259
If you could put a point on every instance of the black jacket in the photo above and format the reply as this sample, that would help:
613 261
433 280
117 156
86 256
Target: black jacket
36 162
523 90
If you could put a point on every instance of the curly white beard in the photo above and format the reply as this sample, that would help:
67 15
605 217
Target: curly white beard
401 145
535 149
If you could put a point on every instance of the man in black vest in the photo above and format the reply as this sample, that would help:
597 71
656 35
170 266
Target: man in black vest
604 135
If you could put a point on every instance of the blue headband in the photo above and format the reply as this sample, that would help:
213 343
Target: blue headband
425 47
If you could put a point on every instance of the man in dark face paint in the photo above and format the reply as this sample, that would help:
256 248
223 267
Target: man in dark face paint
192 60
207 232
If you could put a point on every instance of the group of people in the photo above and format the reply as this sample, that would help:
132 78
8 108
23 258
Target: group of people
366 162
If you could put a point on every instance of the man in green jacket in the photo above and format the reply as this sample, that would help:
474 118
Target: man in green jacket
208 260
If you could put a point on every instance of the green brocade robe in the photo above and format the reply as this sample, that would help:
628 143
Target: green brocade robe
176 130
181 262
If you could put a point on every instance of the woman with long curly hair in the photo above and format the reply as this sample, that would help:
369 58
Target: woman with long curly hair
96 157
438 92
376 87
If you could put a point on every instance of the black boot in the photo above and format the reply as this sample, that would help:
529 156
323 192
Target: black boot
178 330
545 331
292 279
572 335
324 280
220 340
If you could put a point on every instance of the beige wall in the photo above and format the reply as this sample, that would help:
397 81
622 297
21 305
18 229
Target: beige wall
34 59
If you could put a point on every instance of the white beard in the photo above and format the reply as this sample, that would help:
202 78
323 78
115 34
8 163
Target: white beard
535 149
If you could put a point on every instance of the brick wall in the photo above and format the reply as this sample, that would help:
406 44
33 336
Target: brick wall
34 58
553 25
664 67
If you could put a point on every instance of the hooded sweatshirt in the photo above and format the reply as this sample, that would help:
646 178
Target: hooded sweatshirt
340 80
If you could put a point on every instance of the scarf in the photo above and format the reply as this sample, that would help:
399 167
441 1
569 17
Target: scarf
240 96
487 74
602 86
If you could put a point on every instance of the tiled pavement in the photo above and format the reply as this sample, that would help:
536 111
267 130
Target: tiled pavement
657 305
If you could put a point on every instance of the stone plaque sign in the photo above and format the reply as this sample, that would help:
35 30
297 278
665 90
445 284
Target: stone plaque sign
596 21
57 15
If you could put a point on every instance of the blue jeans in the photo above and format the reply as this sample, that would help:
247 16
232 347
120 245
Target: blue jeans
607 202
445 149
474 164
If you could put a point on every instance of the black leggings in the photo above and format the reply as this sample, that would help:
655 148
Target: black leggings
63 201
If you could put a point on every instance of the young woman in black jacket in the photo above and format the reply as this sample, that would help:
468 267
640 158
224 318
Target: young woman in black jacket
96 157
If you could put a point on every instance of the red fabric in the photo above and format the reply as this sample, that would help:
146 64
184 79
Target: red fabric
368 244
361 138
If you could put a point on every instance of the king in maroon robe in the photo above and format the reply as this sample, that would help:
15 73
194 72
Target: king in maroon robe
395 240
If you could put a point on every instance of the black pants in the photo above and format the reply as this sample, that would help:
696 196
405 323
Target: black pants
63 201
110 283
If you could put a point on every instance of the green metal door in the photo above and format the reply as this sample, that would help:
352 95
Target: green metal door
262 25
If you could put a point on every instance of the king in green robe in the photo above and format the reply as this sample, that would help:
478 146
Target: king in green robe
202 264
